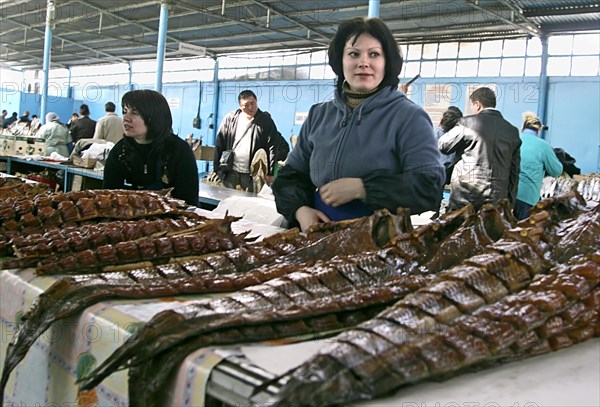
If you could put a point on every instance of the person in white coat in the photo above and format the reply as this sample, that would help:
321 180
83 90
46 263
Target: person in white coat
55 134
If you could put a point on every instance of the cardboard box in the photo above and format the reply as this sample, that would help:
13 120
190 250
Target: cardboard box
204 153
7 144
84 162
20 145
77 183
39 146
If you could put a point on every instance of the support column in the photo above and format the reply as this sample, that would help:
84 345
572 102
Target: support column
50 17
130 72
373 8
543 84
215 110
160 46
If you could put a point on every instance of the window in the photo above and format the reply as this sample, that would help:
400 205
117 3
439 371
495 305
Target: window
317 72
468 50
302 72
489 67
586 44
414 51
467 68
412 68
430 51
577 55
560 45
404 51
428 69
491 49
585 66
512 67
448 50
514 48
319 57
533 66
304 58
559 66
534 47
446 69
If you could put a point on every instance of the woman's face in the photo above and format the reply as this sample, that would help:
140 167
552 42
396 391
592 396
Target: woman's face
134 125
363 63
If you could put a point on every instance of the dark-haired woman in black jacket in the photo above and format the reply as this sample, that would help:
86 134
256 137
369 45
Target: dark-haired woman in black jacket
150 156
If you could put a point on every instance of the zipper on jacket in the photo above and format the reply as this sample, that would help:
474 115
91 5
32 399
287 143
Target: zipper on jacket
346 122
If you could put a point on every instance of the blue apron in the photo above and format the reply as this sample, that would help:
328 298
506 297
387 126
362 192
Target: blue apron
350 210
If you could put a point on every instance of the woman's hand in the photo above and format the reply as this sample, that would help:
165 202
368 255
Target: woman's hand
307 216
341 191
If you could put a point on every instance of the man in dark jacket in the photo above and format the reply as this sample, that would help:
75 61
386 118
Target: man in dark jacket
489 151
84 127
245 131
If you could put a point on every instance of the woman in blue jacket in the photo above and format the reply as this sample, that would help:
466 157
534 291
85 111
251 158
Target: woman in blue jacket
368 148
537 160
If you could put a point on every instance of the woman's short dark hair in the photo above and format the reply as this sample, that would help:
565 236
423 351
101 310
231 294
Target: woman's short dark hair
350 30
450 118
154 109
84 110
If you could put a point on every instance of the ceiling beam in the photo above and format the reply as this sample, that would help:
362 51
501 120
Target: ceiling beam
252 24
532 30
294 21
562 11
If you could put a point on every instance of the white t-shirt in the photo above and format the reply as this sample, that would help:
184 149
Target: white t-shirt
241 155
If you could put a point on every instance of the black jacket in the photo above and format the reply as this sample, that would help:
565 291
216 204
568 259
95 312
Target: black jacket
264 135
488 168
135 166
84 127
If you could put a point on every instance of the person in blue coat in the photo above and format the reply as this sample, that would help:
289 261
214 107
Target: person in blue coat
537 160
369 148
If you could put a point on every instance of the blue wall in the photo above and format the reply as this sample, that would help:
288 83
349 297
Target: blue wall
574 119
573 105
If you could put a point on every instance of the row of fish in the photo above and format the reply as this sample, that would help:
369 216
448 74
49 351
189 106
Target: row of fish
327 294
218 272
23 216
425 336
337 277
16 187
588 186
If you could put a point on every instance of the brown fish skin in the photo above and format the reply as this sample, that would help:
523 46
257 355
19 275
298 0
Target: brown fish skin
583 231
207 238
222 272
98 234
369 268
143 388
147 380
25 216
320 289
373 360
